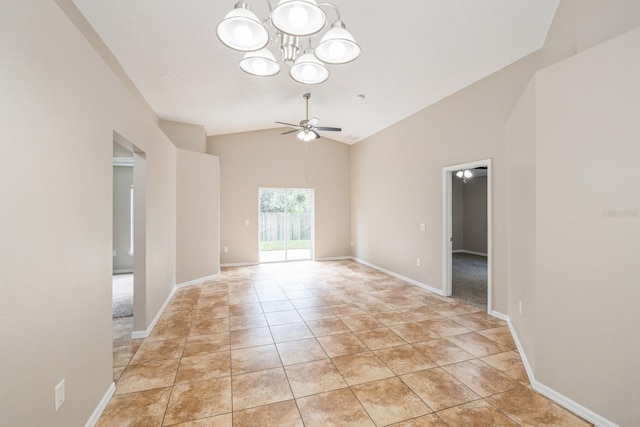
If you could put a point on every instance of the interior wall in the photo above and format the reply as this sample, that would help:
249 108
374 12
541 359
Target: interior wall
185 135
252 160
59 108
457 213
122 183
588 228
521 149
475 215
397 184
198 216
600 20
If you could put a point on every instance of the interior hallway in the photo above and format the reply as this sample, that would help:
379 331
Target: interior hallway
320 344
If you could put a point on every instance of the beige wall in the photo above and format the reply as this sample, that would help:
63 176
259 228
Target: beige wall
252 160
475 215
59 108
122 183
186 136
397 178
521 151
587 282
469 214
198 216
457 214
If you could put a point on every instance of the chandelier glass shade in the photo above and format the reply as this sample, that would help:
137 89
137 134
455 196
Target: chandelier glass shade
298 17
308 69
284 27
338 45
242 30
261 63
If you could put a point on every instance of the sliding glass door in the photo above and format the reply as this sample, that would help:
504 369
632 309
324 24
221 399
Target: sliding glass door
286 224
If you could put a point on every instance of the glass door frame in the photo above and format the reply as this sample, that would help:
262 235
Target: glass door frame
286 239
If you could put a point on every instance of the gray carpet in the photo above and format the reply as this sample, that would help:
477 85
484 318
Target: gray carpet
469 280
122 295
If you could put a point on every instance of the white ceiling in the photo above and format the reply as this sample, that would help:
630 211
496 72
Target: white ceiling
415 52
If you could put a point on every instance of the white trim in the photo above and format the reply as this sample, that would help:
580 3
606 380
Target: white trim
335 258
447 233
197 281
406 279
552 394
238 264
124 271
123 161
499 315
95 416
144 334
464 251
571 405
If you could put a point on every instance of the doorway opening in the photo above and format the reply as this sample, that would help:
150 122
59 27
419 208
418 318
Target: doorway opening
466 228
129 234
285 217
123 214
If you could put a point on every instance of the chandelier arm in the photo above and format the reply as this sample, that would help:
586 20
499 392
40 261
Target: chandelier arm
270 7
333 6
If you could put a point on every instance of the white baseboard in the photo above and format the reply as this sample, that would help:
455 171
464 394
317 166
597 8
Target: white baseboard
197 281
238 264
500 316
406 279
95 416
464 251
552 394
125 271
336 258
144 334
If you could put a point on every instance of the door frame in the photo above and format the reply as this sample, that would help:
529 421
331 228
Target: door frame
313 224
447 226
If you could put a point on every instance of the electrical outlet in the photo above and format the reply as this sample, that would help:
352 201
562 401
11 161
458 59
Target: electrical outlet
59 394
226 249
423 227
246 222
351 244
418 262
114 252
520 306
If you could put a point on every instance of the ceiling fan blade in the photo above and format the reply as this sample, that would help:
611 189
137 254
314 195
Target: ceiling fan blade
291 131
313 121
326 128
288 124
316 134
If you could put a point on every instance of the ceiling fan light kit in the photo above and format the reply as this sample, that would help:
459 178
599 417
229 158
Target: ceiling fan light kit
307 129
290 20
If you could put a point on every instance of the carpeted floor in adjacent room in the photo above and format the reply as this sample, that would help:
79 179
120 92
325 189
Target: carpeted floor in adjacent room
469 279
122 295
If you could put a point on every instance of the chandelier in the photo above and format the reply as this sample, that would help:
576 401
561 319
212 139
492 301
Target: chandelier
290 21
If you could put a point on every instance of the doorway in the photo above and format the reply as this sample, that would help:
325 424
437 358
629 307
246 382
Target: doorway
466 229
122 279
285 217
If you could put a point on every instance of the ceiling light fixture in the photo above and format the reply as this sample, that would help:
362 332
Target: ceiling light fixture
289 21
465 174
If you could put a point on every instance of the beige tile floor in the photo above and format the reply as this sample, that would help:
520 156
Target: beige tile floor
321 344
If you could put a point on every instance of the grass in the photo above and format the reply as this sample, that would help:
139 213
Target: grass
279 245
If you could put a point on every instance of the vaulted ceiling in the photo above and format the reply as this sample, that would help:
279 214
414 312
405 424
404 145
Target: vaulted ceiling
415 53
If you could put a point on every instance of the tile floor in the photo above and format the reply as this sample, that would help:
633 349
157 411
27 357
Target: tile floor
321 344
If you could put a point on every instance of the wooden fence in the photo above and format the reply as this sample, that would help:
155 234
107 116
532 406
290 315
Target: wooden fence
273 226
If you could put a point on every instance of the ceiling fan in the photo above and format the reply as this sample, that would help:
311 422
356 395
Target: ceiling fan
307 129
